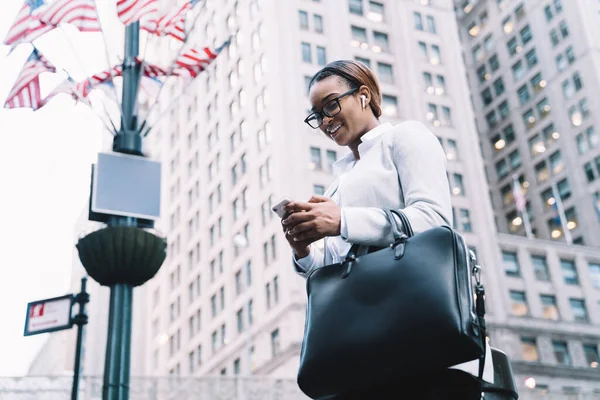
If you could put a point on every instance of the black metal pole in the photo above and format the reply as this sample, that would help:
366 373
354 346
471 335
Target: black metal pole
80 320
118 346
128 140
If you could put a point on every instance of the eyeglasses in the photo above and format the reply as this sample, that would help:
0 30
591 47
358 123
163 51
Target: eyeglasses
331 108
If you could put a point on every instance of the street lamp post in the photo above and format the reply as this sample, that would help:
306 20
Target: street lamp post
123 255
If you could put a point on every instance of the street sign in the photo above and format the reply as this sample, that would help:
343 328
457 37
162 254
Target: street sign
49 315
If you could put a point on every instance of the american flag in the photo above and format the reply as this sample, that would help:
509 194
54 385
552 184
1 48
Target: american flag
520 200
130 11
77 91
193 61
26 90
170 24
151 70
82 14
103 76
26 27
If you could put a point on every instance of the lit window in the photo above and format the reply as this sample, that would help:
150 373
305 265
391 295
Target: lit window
389 105
376 11
519 303
381 42
591 355
549 307
529 350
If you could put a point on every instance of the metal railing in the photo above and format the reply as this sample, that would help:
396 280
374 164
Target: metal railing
193 388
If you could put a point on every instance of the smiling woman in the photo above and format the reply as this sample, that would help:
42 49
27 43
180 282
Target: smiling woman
400 167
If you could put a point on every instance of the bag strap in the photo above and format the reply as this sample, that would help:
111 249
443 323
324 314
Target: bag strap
480 311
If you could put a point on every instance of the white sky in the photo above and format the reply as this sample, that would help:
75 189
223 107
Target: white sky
45 159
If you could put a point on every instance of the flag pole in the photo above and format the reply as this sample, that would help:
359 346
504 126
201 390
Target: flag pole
110 67
522 210
88 103
83 68
170 70
561 213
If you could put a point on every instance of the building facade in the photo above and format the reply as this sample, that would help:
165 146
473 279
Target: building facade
534 73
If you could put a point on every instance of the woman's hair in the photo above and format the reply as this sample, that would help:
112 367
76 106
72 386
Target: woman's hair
355 74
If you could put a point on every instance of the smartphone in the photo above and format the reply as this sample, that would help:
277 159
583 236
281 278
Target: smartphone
278 208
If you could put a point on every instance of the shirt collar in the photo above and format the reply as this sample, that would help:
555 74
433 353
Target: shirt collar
368 140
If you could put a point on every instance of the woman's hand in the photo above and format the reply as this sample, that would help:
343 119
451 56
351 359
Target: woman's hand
301 248
312 221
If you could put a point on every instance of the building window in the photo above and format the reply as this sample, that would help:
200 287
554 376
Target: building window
303 15
239 315
385 72
365 61
359 36
591 355
465 220
306 52
579 310
389 105
549 307
494 63
315 158
531 58
418 21
529 351
540 268
519 304
511 263
376 11
594 274
561 352
518 70
321 56
318 23
275 343
431 24
526 35
381 42
331 159
355 7
569 272
436 57
458 189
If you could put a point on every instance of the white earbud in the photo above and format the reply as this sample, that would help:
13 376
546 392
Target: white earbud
364 101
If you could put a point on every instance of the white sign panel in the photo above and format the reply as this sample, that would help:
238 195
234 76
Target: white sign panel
49 315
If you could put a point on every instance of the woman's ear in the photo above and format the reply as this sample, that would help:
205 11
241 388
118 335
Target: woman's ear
364 91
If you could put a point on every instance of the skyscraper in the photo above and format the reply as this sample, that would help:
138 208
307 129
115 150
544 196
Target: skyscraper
534 74
227 300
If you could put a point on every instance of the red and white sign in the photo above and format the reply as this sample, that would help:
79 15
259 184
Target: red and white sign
49 315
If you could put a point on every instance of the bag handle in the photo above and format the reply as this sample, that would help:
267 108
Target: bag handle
400 232
406 227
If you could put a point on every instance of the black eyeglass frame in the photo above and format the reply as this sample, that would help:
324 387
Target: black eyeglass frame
322 111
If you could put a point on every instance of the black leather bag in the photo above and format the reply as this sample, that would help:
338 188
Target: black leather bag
404 310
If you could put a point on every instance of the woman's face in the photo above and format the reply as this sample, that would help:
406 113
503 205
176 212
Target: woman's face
346 125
